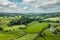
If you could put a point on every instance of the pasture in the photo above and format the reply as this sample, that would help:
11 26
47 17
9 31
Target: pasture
29 32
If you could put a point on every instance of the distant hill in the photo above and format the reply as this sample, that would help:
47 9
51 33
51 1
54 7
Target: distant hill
34 14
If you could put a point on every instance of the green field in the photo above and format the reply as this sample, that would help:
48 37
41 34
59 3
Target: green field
32 30
53 19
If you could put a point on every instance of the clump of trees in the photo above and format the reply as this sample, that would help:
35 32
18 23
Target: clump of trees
57 21
1 28
6 30
22 27
23 20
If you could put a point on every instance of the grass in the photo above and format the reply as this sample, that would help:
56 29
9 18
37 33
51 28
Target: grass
27 37
11 34
35 27
53 19
32 29
49 38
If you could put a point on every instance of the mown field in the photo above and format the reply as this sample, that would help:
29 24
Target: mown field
18 32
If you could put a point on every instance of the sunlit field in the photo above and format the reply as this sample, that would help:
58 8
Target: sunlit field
30 27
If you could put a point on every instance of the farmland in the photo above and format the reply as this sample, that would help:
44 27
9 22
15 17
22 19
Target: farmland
29 26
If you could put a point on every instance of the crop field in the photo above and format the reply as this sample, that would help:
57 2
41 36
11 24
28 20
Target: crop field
23 28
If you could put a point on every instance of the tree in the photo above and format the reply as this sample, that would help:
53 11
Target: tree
40 20
49 25
23 20
57 21
6 30
1 28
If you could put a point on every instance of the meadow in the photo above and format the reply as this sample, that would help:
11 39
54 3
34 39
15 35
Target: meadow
38 28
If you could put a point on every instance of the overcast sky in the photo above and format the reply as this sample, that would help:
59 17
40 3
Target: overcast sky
30 6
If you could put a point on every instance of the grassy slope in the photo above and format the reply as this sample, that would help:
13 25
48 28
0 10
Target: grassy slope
35 27
27 37
31 30
53 19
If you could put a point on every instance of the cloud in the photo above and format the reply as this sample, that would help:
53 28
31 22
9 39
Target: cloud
41 3
28 6
7 6
29 1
